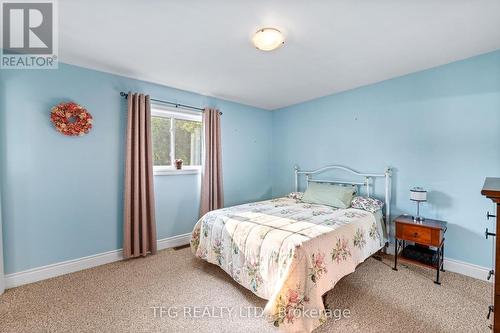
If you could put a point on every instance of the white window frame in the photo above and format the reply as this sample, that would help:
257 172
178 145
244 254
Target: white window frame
159 110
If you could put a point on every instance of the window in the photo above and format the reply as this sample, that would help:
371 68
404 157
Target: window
175 135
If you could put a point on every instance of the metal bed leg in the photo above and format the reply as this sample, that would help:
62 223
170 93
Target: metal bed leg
395 268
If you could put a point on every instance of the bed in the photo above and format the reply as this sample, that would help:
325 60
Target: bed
291 253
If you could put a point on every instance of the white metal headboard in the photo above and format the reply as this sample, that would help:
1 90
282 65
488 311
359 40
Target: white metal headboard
367 183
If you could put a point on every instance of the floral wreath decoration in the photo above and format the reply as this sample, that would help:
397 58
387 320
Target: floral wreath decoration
71 119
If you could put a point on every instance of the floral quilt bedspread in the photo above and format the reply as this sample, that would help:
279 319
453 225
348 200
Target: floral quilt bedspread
288 252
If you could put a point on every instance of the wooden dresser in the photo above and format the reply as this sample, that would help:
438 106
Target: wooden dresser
491 190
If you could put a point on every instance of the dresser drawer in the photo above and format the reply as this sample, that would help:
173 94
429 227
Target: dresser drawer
414 233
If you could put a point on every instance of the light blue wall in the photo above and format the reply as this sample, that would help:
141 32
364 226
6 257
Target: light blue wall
2 281
438 128
62 196
2 157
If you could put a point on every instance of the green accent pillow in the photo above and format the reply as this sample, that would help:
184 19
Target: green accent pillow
330 195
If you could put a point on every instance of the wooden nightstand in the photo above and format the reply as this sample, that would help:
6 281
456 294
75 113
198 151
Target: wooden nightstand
425 234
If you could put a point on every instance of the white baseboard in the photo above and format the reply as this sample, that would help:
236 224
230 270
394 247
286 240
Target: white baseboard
174 241
70 266
460 267
464 268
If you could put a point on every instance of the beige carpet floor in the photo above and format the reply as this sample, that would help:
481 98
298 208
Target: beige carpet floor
120 297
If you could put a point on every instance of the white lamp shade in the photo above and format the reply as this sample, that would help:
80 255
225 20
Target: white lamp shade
418 194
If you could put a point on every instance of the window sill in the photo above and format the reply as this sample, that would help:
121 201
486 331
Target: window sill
175 172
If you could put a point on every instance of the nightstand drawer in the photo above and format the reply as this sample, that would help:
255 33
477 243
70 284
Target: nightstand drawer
414 233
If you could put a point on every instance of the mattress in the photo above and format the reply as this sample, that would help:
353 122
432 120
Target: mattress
288 252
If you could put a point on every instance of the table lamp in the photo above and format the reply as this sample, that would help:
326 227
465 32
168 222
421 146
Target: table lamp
418 195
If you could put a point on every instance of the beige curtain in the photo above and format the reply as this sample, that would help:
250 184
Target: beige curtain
211 184
139 228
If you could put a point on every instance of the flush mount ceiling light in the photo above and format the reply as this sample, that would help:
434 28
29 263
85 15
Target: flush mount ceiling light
268 39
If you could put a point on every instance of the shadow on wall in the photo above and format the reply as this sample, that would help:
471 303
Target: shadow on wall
233 198
266 194
439 202
469 240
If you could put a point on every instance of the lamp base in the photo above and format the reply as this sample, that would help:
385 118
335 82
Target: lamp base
418 218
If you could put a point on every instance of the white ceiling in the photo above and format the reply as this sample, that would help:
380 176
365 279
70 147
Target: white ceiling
331 45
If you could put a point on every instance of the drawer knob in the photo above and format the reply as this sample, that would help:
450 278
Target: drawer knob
487 233
488 215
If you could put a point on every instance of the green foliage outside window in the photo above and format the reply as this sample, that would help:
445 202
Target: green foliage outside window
160 137
187 141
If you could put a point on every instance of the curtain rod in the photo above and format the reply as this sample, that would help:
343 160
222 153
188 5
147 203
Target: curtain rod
177 105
